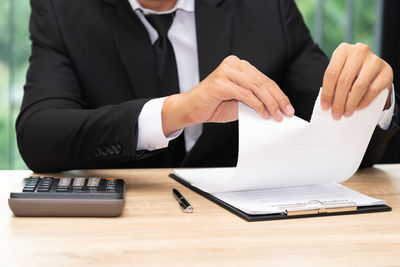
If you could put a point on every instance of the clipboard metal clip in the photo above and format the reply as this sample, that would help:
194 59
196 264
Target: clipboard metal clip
318 207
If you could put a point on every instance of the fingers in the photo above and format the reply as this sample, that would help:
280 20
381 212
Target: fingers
229 90
379 83
332 75
269 103
368 73
246 96
354 77
345 82
267 91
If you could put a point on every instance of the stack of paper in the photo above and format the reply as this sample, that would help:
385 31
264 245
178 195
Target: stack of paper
292 161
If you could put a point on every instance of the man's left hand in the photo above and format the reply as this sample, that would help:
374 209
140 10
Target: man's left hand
354 77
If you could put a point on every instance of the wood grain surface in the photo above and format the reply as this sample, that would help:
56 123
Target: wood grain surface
153 231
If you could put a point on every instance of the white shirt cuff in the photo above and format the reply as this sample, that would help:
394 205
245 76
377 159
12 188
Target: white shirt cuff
386 116
150 133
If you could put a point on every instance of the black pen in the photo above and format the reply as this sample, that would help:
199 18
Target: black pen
183 203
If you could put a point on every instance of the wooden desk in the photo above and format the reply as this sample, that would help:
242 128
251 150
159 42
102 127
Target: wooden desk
153 230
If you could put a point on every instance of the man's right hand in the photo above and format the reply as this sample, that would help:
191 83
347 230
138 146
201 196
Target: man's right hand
216 98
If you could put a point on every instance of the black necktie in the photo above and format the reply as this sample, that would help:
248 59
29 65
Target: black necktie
164 54
168 76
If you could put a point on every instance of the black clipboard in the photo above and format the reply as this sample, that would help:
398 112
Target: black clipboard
275 216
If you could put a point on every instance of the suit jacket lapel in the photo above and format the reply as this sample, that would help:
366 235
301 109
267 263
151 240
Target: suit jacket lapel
134 47
214 35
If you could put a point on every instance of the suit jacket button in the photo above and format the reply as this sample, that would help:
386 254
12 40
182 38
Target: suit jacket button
97 152
111 150
104 151
118 149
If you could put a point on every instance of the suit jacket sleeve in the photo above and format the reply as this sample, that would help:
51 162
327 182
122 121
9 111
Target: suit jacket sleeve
55 130
303 77
380 139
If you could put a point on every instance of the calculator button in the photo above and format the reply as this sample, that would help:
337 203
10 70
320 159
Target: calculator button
31 184
46 181
43 189
79 182
110 184
45 184
28 189
32 180
62 189
93 182
63 184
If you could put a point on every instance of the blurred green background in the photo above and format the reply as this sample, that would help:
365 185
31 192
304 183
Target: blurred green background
330 21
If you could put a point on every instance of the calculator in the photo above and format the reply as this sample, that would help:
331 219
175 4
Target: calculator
68 196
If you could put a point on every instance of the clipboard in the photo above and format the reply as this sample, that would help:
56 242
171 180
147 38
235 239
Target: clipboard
347 208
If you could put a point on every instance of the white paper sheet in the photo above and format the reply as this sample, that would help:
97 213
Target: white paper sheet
292 152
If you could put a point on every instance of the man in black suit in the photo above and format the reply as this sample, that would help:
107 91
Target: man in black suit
112 83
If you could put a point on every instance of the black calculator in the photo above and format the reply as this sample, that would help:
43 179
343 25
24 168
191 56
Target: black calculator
68 196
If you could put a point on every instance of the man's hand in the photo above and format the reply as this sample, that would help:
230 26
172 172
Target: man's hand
356 70
216 98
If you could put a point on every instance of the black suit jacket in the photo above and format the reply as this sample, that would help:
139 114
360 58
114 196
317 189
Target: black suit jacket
92 70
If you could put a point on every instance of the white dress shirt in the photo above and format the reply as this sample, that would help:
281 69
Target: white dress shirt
182 35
